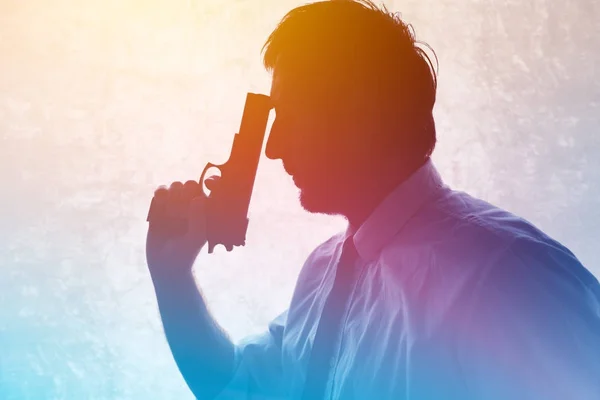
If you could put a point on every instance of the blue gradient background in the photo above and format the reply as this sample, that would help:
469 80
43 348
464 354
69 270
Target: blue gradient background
102 101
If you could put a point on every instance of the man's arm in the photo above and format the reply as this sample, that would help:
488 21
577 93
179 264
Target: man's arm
203 352
212 366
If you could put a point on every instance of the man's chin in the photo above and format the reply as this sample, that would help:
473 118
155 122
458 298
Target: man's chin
317 204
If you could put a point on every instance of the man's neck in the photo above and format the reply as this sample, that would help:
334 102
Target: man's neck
373 190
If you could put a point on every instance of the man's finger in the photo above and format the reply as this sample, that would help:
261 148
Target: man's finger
158 204
161 192
176 205
211 182
192 189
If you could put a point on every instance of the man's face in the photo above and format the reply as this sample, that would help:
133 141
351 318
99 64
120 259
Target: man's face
318 145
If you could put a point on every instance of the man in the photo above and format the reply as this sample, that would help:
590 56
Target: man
429 293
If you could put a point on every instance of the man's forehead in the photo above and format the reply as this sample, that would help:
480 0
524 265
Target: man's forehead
284 82
275 86
295 74
304 84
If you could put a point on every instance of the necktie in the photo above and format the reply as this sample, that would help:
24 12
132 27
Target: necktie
322 353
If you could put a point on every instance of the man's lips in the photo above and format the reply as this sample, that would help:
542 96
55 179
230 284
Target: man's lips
287 171
292 174
295 179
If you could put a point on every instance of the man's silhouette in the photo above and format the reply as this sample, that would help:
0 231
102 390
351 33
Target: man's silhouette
429 293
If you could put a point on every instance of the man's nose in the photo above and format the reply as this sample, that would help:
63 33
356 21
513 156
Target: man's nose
276 146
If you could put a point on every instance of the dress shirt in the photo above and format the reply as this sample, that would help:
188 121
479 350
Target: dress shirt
330 323
452 298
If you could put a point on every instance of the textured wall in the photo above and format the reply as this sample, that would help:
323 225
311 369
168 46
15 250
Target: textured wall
101 101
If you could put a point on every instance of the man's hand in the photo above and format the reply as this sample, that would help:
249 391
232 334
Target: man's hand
177 227
202 350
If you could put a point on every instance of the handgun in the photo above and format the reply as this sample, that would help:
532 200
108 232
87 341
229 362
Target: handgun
226 208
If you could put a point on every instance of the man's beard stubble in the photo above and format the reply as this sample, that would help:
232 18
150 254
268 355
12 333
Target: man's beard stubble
324 195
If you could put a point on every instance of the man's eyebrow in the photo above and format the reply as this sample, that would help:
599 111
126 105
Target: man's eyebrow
277 106
282 105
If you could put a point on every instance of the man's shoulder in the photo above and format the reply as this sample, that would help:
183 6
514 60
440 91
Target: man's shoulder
478 223
458 232
485 259
521 254
530 266
459 217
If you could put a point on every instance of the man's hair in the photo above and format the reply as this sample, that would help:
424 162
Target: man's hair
369 50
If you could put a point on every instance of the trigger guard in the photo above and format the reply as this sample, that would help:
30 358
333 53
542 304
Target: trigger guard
212 246
202 176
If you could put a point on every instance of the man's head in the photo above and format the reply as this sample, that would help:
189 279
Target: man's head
353 98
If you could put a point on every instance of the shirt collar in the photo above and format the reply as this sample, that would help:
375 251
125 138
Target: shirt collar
395 210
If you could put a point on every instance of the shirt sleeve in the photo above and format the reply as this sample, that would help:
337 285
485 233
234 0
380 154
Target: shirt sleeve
258 366
534 330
